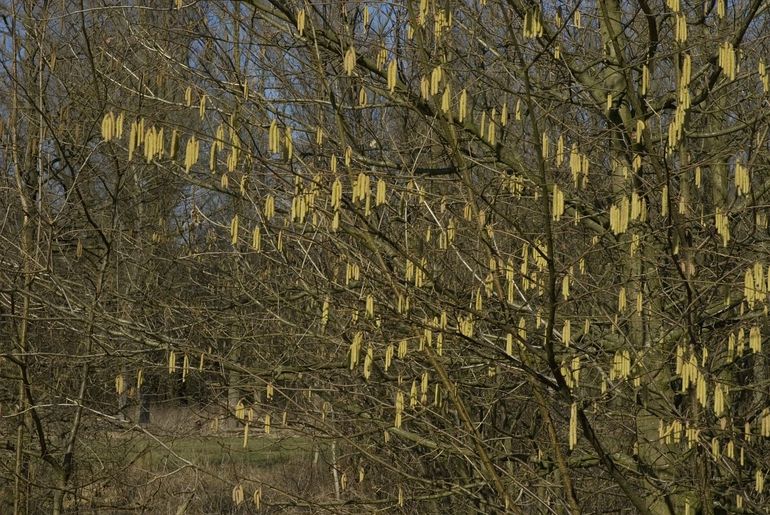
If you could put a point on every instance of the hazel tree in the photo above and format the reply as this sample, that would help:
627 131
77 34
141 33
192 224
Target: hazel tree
500 256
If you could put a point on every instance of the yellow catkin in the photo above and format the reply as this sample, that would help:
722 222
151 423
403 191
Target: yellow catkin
150 144
392 75
108 127
722 225
232 159
368 360
399 408
573 426
446 99
349 62
120 384
132 139
355 349
382 56
557 203
727 59
289 142
273 139
532 26
174 145
435 80
462 109
700 389
202 107
213 158
119 126
424 388
362 97
719 400
256 239
192 151
639 130
755 339
742 179
575 164
491 131
763 77
576 370
509 344
336 194
680 33
158 149
764 427
380 198
269 210
621 365
140 132
692 436
620 212
504 114
237 494
234 230
388 356
424 88
301 22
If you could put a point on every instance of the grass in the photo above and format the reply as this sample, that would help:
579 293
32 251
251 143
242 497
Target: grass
262 451
148 472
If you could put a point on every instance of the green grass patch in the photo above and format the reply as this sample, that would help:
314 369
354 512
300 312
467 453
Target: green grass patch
215 451
223 450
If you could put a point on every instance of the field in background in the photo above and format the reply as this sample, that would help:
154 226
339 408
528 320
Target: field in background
182 463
